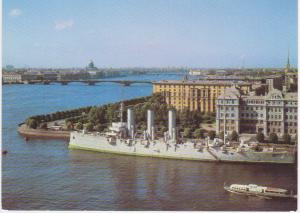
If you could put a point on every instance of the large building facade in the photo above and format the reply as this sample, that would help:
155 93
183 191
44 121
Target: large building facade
196 95
276 112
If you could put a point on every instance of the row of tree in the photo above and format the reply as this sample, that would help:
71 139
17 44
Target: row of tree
273 138
79 115
99 118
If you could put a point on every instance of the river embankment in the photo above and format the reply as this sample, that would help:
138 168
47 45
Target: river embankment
43 134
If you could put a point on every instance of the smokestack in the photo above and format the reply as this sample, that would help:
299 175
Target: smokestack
150 123
172 124
130 122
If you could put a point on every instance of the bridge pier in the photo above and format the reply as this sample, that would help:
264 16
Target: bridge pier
64 83
90 83
126 84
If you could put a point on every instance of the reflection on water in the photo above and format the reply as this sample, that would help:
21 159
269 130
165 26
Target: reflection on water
41 174
141 183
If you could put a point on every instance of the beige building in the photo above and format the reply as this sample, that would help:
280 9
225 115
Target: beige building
195 95
276 112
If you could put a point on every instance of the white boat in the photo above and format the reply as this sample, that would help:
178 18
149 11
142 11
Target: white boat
260 191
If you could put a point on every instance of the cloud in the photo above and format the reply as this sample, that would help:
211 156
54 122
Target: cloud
61 25
15 12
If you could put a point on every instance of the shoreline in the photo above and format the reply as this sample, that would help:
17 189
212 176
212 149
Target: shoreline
43 134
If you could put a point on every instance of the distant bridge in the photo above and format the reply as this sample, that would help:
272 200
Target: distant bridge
89 82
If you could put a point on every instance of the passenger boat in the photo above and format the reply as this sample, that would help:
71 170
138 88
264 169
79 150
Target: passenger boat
260 191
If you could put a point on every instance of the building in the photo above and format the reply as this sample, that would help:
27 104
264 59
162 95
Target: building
78 75
11 77
195 95
48 76
276 112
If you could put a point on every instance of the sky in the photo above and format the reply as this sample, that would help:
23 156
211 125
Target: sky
144 33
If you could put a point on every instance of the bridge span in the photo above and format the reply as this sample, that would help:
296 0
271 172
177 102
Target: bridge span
89 82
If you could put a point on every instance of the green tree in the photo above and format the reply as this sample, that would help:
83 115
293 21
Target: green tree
187 133
273 138
89 127
260 137
100 127
287 139
32 123
234 136
197 133
211 134
43 125
143 126
163 129
69 125
221 135
79 125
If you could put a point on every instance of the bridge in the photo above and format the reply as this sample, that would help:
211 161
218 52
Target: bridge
88 82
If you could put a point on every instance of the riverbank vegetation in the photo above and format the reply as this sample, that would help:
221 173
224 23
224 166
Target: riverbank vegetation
99 118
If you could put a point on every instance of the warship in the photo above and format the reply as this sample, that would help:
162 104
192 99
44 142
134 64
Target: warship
123 138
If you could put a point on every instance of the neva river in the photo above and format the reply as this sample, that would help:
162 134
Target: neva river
45 174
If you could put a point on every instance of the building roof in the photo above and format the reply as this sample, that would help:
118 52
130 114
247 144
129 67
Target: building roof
230 93
202 82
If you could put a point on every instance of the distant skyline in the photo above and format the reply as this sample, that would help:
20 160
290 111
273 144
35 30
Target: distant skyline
142 33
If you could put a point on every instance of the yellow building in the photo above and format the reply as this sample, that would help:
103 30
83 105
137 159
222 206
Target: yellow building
195 95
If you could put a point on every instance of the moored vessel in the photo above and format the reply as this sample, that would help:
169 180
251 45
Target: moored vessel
123 138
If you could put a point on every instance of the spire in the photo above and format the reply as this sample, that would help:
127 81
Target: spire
288 66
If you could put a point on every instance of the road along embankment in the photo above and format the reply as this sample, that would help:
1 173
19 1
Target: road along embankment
43 134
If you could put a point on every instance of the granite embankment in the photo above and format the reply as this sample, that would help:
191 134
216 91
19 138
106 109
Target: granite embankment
42 134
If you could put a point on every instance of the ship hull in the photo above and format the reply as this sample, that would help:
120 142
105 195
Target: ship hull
254 157
161 150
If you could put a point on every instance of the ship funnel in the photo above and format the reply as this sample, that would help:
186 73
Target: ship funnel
150 124
172 125
130 122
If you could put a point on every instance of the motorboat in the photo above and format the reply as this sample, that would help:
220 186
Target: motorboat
261 191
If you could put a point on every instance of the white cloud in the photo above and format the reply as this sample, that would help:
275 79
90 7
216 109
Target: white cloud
61 25
15 12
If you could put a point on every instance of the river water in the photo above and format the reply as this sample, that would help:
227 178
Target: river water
46 175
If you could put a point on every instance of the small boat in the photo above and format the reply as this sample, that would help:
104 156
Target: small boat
260 191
